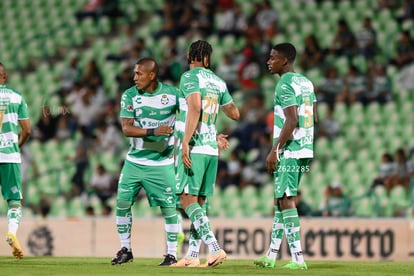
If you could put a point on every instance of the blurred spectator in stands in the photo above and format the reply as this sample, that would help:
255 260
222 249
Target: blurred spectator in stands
240 24
91 9
379 85
75 95
304 208
139 50
313 55
331 86
405 50
92 74
388 4
227 70
366 39
249 72
97 8
203 18
387 168
128 43
45 127
407 11
177 16
108 139
124 81
63 130
344 43
69 75
404 171
100 184
171 67
335 203
252 33
329 126
267 19
111 115
231 171
253 123
225 18
355 86
81 160
87 111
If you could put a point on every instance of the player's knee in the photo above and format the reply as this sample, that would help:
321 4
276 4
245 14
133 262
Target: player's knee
168 211
123 204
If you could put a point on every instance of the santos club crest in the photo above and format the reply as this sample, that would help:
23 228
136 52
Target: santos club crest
164 99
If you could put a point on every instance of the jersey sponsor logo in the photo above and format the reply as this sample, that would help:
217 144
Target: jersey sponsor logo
138 100
163 112
164 99
153 113
307 140
5 143
155 124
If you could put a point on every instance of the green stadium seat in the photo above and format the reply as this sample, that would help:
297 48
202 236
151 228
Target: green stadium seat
364 207
76 208
59 207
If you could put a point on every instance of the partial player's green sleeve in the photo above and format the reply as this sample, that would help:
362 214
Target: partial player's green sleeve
286 95
23 112
127 108
227 98
189 84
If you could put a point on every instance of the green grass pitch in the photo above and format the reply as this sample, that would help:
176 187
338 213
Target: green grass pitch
49 266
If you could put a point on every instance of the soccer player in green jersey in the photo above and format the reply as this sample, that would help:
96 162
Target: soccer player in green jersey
148 114
292 151
201 95
13 112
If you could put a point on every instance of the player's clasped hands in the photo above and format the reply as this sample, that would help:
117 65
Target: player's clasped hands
163 130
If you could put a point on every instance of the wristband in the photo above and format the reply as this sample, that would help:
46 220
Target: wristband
150 131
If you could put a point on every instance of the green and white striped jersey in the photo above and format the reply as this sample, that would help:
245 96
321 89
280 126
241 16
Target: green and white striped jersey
13 108
214 94
295 89
151 110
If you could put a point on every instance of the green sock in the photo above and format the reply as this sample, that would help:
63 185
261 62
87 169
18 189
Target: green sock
292 230
124 223
201 223
171 229
277 234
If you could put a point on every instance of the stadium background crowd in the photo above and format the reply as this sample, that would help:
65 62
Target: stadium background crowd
73 64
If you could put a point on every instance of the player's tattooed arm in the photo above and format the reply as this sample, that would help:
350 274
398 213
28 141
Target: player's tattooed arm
231 111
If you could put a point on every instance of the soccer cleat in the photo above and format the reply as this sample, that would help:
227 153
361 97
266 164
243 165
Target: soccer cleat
169 260
264 262
188 262
216 259
122 256
180 240
293 265
11 239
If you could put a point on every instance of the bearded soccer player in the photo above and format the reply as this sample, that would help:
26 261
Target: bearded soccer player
148 114
292 151
201 95
13 112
